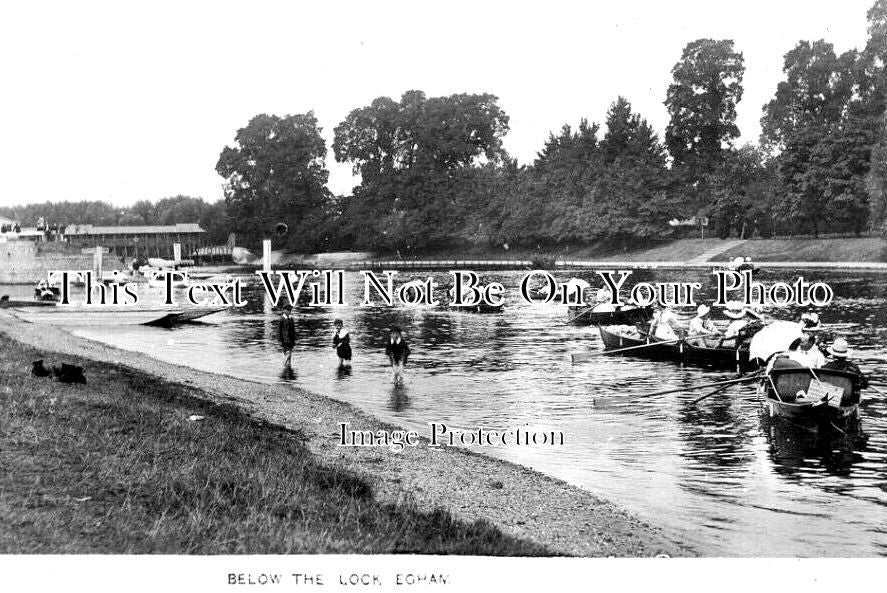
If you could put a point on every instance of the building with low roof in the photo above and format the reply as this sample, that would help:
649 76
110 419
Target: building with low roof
137 241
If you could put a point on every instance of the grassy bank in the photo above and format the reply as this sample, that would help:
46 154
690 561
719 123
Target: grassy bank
117 466
866 249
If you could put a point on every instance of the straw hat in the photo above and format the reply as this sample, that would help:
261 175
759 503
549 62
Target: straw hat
810 322
734 310
702 310
839 348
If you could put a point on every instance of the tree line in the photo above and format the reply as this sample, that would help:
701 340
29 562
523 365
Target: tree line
433 171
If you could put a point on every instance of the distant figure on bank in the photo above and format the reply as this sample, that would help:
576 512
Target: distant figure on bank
286 333
397 351
342 343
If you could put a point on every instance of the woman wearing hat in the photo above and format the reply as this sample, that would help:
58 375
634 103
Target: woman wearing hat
737 313
810 325
665 325
702 327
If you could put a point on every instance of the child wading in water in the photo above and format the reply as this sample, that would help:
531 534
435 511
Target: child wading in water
342 343
397 351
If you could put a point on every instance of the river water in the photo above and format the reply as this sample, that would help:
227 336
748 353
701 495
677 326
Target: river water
717 474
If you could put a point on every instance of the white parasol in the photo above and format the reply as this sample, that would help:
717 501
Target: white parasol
776 337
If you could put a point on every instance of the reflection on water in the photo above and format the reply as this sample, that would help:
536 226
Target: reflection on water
717 473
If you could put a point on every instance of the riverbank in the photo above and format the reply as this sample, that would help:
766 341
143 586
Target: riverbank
680 251
868 253
117 466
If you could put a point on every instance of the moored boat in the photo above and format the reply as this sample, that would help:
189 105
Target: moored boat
596 315
105 316
816 398
680 351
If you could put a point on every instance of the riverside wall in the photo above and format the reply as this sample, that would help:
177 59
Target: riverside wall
25 262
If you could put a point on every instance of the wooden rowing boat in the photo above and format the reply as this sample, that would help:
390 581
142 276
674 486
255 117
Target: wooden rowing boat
780 387
105 316
681 352
604 316
7 303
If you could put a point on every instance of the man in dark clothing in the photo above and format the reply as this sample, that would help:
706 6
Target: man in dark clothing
398 351
839 351
286 333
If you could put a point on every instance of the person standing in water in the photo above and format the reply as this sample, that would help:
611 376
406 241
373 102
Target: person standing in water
286 333
342 343
397 350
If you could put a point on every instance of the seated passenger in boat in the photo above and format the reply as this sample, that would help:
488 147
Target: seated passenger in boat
734 333
805 353
665 325
810 326
839 362
702 329
603 301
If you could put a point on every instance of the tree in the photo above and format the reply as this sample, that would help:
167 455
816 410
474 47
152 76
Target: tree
876 180
702 103
275 173
422 165
818 128
629 198
874 70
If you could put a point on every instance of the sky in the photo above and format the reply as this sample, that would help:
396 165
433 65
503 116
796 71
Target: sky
123 101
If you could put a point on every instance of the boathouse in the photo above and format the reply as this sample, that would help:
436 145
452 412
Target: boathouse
137 241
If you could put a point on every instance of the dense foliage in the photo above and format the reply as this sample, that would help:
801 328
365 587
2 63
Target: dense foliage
433 172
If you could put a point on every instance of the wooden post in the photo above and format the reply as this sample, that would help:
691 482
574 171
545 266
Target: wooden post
177 252
266 255
97 263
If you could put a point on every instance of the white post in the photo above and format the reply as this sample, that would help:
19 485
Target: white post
266 255
97 263
177 252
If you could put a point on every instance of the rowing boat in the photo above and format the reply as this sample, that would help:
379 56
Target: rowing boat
606 315
682 352
813 398
7 303
94 316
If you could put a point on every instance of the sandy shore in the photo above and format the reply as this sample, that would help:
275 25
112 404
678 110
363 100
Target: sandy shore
520 501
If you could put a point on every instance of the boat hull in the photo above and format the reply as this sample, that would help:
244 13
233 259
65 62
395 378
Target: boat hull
91 317
778 393
682 352
623 316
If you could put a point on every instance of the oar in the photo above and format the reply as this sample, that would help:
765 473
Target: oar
726 383
876 390
709 394
586 356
